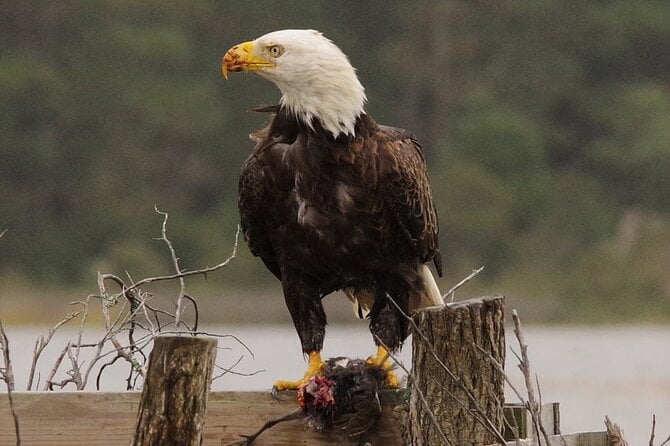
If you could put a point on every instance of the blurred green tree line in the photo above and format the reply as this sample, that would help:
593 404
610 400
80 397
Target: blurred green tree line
546 126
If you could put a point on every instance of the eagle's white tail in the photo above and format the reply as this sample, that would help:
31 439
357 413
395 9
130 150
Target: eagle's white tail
430 297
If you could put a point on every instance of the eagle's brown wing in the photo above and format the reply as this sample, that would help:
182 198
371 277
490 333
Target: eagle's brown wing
256 182
404 182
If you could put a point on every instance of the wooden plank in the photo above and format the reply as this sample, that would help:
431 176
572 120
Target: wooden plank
576 439
99 418
77 418
518 417
108 418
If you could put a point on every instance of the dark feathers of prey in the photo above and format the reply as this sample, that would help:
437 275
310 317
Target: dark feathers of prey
326 213
343 398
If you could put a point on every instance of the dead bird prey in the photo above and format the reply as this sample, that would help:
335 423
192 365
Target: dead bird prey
342 398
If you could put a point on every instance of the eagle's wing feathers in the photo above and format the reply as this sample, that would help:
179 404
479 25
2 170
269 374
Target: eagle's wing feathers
407 192
255 183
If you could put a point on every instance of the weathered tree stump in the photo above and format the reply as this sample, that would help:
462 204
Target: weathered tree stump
174 397
459 399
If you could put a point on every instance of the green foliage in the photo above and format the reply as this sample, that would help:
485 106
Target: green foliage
546 126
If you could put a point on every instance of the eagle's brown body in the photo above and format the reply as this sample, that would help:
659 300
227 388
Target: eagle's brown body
326 214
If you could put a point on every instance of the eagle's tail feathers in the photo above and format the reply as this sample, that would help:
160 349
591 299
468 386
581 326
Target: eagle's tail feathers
430 296
362 301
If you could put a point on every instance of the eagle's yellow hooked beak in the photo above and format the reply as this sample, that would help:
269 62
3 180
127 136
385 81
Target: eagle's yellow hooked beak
241 58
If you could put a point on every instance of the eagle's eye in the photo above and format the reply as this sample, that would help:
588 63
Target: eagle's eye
276 50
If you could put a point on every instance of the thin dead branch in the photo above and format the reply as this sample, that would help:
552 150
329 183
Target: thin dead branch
653 430
614 433
248 440
42 342
49 383
653 433
186 273
452 291
524 366
6 372
7 375
175 263
230 370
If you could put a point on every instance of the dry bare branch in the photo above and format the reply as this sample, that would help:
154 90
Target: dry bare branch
48 384
453 289
42 342
501 369
175 263
7 375
75 371
653 430
186 273
126 312
614 433
229 370
524 366
6 372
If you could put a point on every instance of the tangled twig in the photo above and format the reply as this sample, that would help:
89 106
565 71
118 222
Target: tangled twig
132 311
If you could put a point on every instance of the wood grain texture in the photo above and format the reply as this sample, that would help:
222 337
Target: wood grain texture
470 387
173 404
97 419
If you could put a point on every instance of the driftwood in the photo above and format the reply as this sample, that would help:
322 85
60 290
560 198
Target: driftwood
173 404
457 398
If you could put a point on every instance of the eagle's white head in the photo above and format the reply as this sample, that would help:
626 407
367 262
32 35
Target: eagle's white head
315 77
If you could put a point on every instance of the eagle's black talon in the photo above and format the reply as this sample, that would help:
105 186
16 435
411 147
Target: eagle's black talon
274 393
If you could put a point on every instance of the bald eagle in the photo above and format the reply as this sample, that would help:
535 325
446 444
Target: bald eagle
330 200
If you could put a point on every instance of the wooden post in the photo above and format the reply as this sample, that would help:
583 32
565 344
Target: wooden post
174 397
460 401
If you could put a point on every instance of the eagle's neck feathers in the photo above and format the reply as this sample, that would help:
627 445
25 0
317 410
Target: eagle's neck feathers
317 82
335 99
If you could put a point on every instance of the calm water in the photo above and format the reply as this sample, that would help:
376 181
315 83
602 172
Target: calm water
623 372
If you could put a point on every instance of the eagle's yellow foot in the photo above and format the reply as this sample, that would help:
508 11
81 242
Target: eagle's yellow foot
313 366
382 359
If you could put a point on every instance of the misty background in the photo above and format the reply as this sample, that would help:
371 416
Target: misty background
546 127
